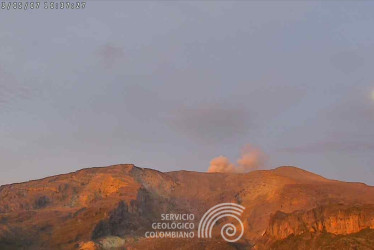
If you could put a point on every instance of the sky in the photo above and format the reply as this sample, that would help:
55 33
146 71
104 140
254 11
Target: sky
171 85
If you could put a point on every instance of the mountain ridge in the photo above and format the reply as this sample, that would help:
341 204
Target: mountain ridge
93 205
182 170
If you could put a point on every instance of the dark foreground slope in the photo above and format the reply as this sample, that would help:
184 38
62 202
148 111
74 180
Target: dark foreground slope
102 208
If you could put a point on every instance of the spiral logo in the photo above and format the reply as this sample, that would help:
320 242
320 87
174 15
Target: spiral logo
217 212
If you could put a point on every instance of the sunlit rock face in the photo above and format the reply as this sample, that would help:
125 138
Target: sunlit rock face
112 207
336 219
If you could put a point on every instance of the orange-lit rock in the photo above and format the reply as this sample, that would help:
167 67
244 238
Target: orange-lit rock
115 205
335 219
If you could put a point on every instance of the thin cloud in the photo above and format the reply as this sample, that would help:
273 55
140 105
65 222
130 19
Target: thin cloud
11 91
344 147
347 62
212 123
110 55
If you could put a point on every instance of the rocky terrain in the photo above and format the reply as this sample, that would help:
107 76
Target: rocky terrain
112 208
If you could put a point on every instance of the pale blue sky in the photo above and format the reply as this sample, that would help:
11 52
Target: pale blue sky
170 85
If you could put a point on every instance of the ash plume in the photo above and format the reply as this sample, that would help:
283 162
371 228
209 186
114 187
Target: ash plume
251 158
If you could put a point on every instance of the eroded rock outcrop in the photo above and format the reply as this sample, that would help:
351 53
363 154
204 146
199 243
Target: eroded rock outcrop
335 219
